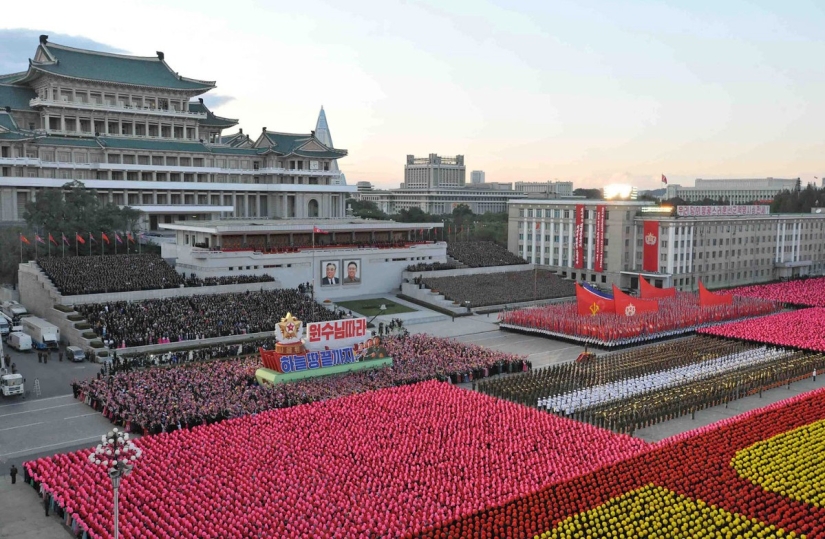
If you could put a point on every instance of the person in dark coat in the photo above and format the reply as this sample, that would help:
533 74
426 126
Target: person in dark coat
13 474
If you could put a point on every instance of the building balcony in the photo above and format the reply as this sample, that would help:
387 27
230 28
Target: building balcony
121 109
190 169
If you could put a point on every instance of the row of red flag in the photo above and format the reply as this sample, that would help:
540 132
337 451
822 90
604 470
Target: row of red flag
591 303
78 238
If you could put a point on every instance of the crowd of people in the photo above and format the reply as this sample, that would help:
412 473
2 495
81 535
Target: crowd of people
75 275
386 463
807 292
703 483
633 389
803 329
432 266
677 315
501 288
481 254
162 399
200 317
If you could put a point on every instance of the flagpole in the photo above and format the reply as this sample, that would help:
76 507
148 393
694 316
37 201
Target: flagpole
102 245
76 245
20 239
49 244
90 244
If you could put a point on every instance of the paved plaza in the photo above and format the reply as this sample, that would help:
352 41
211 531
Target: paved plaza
55 422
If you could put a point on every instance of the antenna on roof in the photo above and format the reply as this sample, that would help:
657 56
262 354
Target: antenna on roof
43 39
312 133
160 55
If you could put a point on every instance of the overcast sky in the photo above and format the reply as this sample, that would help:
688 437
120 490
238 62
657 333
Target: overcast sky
595 92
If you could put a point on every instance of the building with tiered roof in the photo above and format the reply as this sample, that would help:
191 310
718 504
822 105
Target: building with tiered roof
138 133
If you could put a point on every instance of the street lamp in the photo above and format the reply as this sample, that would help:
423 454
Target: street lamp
118 454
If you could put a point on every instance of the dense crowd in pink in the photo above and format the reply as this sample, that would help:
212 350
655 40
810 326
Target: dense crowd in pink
800 329
383 463
810 292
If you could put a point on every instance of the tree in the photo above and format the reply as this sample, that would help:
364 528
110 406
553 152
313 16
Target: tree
462 213
590 194
414 215
365 209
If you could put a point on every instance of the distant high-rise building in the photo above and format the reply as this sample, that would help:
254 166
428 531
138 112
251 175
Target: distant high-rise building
545 189
434 172
735 191
477 176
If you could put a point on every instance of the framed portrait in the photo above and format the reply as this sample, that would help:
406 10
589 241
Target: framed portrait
330 272
351 271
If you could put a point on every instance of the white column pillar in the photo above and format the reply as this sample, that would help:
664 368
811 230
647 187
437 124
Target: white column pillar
541 243
778 232
635 252
797 243
524 242
589 264
570 227
671 233
550 248
782 243
689 254
535 259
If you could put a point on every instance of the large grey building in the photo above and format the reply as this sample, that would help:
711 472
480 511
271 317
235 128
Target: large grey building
137 132
739 191
721 250
477 176
434 172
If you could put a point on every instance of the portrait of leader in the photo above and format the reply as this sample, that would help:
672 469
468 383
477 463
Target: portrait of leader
352 269
329 273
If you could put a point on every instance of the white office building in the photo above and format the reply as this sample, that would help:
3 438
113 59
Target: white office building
739 191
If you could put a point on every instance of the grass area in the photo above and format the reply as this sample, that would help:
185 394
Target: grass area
370 307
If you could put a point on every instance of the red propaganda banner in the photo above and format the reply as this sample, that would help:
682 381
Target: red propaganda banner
709 299
598 263
648 291
326 332
630 306
578 238
591 304
650 253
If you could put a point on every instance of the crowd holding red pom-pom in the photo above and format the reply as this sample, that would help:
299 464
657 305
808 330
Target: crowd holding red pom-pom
164 399
809 292
677 315
379 464
696 464
800 329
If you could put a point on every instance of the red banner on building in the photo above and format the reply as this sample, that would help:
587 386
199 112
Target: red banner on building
578 238
598 263
650 253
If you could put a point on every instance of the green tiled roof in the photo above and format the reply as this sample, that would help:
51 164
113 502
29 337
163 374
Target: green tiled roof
14 136
16 97
211 120
11 77
288 143
235 140
237 151
7 122
68 141
91 65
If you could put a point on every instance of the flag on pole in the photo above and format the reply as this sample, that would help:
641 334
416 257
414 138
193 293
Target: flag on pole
24 239
92 238
316 230
79 238
117 238
538 226
105 237
664 179
65 239
51 238
129 237
38 239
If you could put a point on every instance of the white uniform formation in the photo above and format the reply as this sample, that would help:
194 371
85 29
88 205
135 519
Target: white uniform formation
588 397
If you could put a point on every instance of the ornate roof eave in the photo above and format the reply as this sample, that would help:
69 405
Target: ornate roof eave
307 153
35 71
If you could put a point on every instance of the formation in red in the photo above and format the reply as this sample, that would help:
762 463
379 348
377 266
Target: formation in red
800 329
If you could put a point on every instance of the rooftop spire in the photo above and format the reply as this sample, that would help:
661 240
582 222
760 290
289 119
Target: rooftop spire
322 134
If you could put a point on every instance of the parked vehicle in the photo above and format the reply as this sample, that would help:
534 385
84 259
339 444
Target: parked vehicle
11 384
13 310
19 341
44 334
75 353
5 326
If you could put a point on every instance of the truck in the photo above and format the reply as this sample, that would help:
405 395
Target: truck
13 310
11 384
45 335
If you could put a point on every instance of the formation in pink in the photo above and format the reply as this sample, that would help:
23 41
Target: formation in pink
379 464
810 292
679 314
163 399
800 329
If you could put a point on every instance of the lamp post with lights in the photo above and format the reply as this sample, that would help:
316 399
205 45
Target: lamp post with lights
118 455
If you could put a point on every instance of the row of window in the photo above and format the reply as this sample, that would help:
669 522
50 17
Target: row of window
558 213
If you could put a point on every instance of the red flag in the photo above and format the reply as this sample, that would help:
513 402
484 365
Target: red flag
117 238
538 225
24 240
317 230
664 179
79 238
650 251
630 306
51 238
709 299
38 239
129 237
590 304
647 290
105 237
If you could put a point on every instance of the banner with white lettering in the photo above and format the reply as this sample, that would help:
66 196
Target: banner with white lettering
598 263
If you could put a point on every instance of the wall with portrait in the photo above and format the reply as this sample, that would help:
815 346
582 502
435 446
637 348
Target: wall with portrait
351 270
330 272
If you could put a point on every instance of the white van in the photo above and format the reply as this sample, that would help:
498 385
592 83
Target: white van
19 341
5 327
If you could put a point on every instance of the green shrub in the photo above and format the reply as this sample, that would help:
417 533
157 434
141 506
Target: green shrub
103 353
96 344
64 308
76 317
89 335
